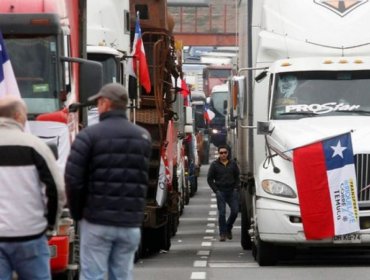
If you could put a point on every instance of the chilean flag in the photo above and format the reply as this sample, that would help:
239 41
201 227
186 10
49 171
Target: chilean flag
208 113
8 83
327 187
138 53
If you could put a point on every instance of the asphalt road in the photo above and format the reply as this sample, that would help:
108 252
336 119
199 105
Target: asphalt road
196 253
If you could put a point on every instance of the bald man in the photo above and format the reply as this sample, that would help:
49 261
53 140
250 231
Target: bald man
31 198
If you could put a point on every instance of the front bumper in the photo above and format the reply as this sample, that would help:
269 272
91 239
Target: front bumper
275 225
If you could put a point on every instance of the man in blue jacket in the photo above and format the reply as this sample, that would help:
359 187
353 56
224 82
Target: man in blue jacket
223 178
106 182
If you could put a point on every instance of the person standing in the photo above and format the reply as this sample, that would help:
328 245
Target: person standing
106 180
31 198
223 178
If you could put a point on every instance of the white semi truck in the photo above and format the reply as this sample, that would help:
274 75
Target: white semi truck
108 41
108 36
321 50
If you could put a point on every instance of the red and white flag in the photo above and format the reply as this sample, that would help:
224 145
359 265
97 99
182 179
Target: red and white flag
208 113
139 57
8 83
327 187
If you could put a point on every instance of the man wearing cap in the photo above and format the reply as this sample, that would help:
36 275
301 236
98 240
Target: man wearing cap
106 181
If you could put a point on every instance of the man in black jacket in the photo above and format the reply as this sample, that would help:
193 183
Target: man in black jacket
106 181
223 178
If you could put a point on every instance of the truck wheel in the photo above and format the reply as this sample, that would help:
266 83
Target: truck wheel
67 275
139 252
205 159
266 253
245 222
187 190
165 236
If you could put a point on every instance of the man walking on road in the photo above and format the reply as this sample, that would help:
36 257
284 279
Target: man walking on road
223 178
31 197
106 180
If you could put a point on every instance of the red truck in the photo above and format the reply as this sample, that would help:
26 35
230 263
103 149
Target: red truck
214 75
44 39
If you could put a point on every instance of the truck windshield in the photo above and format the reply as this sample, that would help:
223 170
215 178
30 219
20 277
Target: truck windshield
110 67
309 94
219 73
34 63
218 99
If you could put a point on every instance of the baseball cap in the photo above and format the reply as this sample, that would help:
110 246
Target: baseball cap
112 91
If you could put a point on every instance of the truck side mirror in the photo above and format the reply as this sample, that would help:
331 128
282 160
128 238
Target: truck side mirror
91 79
261 76
263 128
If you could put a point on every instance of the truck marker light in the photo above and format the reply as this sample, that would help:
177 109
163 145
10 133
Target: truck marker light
285 64
328 61
358 61
343 61
40 21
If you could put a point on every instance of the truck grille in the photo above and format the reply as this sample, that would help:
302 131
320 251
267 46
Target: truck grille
362 165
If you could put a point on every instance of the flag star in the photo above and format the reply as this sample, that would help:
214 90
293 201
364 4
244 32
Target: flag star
338 150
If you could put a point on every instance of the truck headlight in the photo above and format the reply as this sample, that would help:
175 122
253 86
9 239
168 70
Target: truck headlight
214 131
278 188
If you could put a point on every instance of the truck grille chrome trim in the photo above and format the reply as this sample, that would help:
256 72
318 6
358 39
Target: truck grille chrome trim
362 166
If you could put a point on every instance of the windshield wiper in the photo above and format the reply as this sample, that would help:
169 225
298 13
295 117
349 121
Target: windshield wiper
310 114
366 112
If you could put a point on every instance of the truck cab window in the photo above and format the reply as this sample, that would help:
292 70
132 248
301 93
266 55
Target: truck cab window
321 93
36 78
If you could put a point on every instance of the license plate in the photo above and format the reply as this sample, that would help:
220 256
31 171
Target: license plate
53 251
347 238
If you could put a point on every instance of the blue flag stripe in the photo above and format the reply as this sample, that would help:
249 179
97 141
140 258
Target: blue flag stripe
3 57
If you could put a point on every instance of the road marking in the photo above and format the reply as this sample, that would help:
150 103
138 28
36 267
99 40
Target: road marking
213 194
206 244
210 231
203 253
213 206
232 264
214 199
212 213
211 225
198 275
200 264
208 237
211 219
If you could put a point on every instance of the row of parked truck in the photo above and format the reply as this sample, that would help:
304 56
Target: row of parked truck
64 51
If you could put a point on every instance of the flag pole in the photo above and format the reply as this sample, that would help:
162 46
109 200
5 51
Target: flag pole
138 83
134 110
138 71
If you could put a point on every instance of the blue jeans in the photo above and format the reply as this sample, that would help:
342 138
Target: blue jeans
230 198
107 248
29 259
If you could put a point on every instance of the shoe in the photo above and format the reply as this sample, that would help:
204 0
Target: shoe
222 238
229 235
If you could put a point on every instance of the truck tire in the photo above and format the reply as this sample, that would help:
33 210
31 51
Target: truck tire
165 237
139 252
205 158
266 253
245 239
